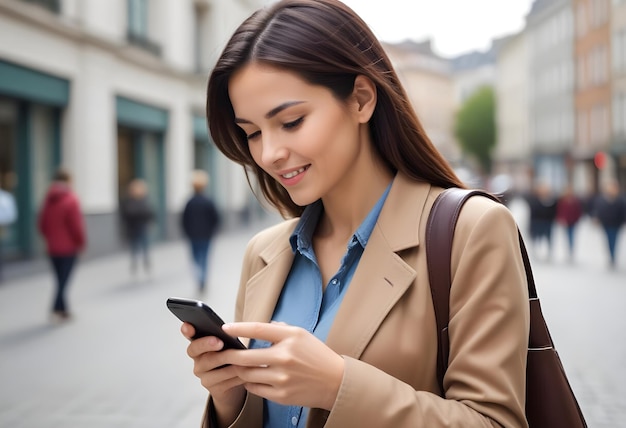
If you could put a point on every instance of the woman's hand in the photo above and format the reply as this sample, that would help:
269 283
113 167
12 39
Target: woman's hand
298 369
226 388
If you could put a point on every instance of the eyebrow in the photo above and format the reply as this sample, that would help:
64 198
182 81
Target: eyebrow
273 112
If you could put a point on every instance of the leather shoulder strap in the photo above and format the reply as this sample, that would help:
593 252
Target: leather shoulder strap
439 234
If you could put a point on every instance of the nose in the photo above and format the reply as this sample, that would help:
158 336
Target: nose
273 150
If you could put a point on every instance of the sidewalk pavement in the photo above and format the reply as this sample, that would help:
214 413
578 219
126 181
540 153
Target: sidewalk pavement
121 362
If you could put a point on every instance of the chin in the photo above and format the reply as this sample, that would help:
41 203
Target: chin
301 199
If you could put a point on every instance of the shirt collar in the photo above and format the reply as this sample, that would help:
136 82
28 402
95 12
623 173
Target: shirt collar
302 235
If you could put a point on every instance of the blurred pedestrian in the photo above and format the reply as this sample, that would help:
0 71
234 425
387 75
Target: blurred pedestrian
609 209
569 210
61 223
200 220
8 214
137 214
542 211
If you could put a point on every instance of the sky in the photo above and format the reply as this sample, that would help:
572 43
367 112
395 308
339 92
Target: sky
455 26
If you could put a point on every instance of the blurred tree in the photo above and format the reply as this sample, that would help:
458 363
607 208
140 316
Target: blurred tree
475 127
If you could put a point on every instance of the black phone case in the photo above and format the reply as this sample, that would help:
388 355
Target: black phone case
203 318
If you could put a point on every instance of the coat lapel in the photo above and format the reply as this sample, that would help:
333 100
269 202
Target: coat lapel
264 288
380 280
382 277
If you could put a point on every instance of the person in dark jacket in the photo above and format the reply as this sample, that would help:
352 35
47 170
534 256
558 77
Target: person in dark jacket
61 223
542 209
200 220
609 210
137 214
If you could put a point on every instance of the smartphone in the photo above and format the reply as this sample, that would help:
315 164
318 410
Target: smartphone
204 319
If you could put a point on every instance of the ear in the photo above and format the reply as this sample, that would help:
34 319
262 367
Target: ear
364 94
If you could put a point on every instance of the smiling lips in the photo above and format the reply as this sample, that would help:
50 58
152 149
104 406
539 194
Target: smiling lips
292 174
294 177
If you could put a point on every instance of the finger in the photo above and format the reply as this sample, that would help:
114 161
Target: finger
249 358
270 332
259 375
203 345
212 366
187 330
221 386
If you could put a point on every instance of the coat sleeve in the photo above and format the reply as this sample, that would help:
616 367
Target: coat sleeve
251 415
488 328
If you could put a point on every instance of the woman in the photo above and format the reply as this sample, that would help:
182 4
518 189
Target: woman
304 97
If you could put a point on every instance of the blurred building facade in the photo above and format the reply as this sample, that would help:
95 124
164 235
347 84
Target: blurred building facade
593 87
551 98
512 83
112 90
560 86
428 81
618 88
115 89
472 71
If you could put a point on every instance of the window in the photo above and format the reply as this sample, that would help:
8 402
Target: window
619 51
581 20
583 138
591 70
597 63
599 124
138 26
599 12
51 5
582 73
619 113
202 38
138 18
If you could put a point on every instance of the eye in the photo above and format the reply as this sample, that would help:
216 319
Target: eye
254 135
294 124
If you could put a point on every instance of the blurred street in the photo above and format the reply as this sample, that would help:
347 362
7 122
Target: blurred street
121 362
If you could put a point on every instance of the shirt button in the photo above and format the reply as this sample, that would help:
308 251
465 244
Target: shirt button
334 281
294 421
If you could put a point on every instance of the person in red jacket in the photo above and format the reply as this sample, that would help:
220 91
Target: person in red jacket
62 226
569 210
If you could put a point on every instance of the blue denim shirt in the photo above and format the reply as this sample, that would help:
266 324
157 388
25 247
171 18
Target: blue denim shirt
304 302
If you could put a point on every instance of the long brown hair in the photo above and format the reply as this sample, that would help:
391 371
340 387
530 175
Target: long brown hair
325 43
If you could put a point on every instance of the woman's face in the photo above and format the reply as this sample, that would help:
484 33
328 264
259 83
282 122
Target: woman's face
298 133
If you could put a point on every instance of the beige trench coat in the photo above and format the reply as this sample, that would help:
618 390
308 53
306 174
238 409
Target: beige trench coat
385 327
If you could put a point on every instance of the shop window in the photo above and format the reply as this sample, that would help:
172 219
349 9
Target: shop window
138 34
51 5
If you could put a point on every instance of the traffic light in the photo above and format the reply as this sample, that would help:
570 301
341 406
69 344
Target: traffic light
599 160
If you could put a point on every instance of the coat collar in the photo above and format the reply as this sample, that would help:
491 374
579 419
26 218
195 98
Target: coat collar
402 212
381 277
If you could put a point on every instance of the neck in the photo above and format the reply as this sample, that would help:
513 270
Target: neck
344 211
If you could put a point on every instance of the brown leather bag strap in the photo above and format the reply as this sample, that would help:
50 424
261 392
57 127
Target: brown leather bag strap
439 234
